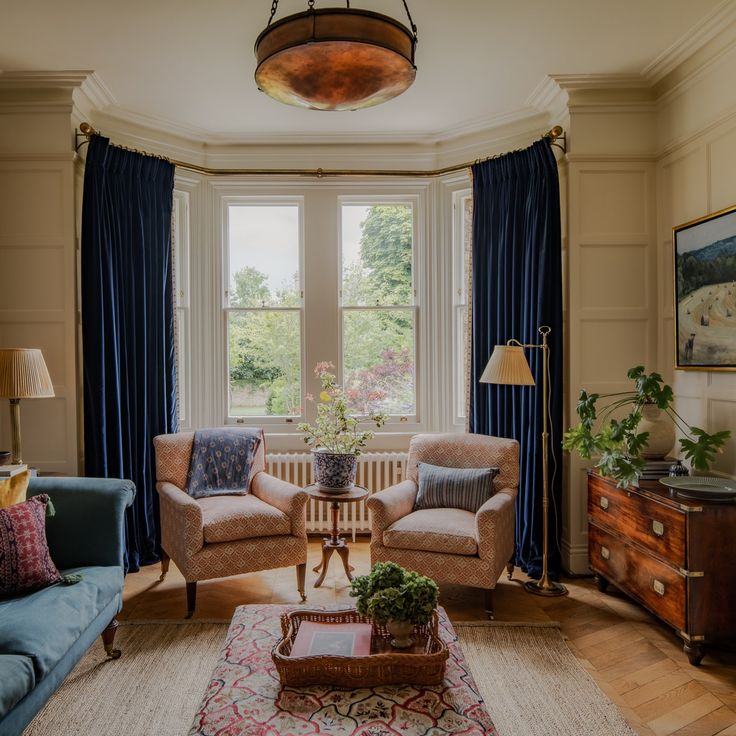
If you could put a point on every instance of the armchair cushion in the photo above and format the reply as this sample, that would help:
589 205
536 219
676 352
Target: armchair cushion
449 531
229 518
456 488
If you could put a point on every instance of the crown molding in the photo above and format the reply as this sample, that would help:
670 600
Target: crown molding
93 94
39 91
121 117
327 152
67 79
549 96
571 82
696 38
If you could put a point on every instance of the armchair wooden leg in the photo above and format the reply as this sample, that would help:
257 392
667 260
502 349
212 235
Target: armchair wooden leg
165 560
510 568
301 575
108 639
489 602
191 598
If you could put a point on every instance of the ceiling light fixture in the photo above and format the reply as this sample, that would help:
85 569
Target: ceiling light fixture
335 58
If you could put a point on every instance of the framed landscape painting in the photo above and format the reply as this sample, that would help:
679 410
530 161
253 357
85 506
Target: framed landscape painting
705 292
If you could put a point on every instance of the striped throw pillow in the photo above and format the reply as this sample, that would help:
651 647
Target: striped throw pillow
454 488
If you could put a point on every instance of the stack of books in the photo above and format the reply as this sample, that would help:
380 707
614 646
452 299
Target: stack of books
8 471
656 469
347 640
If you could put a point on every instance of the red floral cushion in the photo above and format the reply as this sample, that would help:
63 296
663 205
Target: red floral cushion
25 562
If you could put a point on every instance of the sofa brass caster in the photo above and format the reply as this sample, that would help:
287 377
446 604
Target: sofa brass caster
113 653
161 577
304 597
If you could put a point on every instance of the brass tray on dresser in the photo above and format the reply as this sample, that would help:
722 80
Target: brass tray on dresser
421 664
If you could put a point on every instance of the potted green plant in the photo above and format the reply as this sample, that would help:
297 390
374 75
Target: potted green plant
336 436
616 438
397 598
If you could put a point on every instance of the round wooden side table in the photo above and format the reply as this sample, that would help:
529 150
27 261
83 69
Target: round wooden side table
335 542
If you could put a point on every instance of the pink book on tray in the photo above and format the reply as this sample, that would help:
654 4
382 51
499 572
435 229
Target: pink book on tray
348 640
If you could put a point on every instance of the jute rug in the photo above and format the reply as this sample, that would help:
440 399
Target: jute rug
531 682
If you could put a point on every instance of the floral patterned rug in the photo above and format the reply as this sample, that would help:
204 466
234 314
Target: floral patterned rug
245 697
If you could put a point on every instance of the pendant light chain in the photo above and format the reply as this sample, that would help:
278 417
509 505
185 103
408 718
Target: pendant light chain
411 21
310 5
274 8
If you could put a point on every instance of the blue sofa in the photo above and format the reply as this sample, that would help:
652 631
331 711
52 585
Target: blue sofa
45 633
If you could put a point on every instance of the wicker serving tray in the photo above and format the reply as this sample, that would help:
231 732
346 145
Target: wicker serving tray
422 664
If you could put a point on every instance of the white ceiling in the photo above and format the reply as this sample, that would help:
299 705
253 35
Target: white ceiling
189 64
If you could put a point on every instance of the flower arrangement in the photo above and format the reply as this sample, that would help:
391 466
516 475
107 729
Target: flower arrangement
335 429
618 444
391 593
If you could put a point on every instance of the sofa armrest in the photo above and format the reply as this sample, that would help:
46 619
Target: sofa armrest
182 529
88 527
494 527
391 505
286 497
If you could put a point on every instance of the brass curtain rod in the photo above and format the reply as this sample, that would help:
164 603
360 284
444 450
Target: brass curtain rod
554 135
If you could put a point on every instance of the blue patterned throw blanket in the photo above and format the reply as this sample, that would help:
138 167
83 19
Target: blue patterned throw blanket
221 461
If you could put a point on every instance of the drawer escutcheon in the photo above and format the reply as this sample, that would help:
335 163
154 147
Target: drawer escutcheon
604 503
658 586
658 528
605 553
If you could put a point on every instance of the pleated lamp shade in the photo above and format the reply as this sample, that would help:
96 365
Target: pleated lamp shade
23 374
508 366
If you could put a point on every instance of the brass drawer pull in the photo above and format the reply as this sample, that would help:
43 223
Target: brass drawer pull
605 553
658 586
658 528
604 503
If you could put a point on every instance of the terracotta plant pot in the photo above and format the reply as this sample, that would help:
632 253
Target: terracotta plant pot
334 471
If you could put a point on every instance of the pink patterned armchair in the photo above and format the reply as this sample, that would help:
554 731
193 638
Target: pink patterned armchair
227 535
451 545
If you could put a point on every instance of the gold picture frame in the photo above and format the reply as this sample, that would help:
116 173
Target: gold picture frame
704 269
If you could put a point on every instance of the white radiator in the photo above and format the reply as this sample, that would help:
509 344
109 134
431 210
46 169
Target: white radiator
376 471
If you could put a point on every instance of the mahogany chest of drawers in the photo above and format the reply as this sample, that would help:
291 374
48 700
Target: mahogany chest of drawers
675 557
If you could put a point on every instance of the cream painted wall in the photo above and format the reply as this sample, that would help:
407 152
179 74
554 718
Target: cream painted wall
697 176
612 281
642 158
37 265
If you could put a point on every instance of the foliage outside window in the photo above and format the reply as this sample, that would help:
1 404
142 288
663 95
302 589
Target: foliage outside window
378 309
264 311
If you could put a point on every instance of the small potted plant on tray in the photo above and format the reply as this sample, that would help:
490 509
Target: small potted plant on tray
393 596
623 442
336 436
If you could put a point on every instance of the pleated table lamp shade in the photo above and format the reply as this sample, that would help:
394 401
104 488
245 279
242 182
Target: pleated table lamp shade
508 366
23 374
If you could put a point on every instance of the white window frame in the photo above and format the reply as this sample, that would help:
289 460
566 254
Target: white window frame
182 305
394 423
460 299
226 202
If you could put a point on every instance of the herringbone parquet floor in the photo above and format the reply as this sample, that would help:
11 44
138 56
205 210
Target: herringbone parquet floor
635 660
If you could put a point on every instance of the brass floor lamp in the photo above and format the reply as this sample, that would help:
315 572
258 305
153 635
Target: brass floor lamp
508 366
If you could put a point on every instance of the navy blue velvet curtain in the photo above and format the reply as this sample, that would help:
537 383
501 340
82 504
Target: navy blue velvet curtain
128 328
517 287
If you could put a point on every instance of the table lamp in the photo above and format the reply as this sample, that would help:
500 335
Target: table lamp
23 375
508 366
